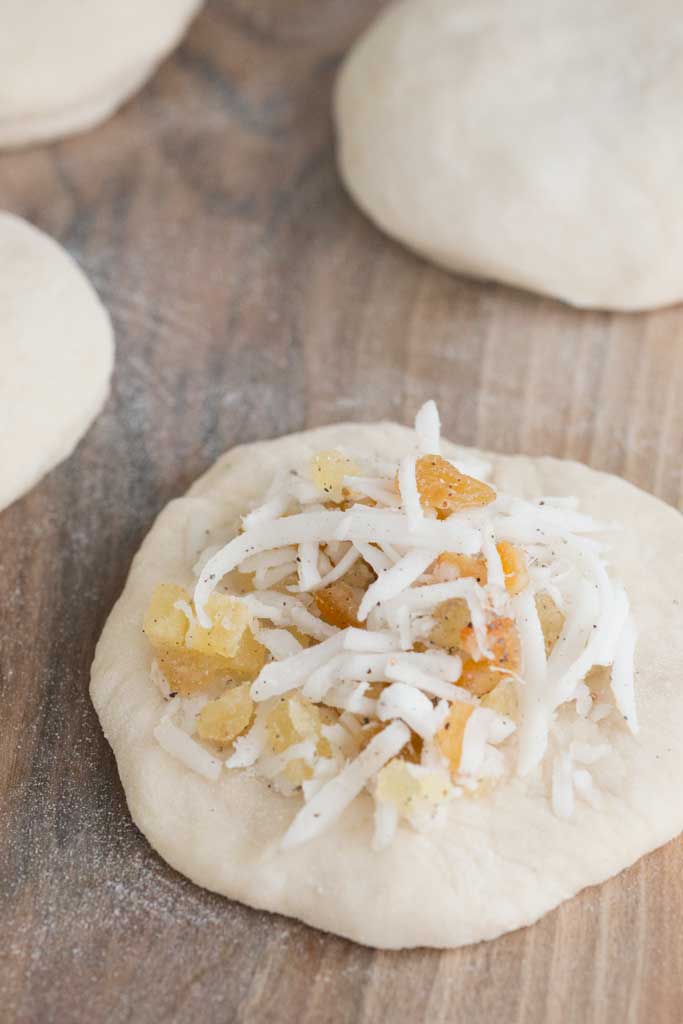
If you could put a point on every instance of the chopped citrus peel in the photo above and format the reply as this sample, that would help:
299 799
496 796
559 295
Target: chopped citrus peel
481 673
514 567
444 490
451 566
452 732
338 604
391 639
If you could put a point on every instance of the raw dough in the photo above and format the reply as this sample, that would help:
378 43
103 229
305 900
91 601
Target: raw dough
56 355
535 142
500 861
65 66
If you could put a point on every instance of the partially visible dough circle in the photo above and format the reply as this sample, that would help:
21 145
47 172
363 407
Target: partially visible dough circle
56 355
535 142
66 65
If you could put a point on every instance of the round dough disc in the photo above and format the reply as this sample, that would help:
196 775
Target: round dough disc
66 66
536 143
57 351
500 861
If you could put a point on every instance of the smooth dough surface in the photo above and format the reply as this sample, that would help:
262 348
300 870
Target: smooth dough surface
56 355
500 861
66 65
535 142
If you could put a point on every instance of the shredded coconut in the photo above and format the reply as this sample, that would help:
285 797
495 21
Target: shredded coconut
349 610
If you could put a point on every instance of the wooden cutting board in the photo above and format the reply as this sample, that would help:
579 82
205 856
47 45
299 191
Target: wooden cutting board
250 298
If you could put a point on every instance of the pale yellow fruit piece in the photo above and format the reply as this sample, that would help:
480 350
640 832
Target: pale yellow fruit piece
222 720
450 736
483 788
599 679
293 720
308 721
304 639
250 658
396 784
502 700
193 658
297 771
451 618
164 624
188 672
229 619
551 619
328 470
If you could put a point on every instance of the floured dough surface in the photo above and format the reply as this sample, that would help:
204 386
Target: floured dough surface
500 861
66 66
56 352
534 142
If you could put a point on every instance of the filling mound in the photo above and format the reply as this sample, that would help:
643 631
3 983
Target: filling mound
400 629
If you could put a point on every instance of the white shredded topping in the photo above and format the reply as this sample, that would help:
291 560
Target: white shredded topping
428 429
334 797
176 742
336 703
410 496
395 580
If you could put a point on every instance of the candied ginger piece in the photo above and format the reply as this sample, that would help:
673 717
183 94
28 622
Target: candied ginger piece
229 619
450 736
514 567
338 604
164 624
551 619
222 720
445 490
328 470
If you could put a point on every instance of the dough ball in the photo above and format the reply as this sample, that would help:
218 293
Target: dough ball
536 142
65 66
56 354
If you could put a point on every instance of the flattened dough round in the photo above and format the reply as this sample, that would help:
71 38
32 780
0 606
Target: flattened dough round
56 354
500 861
65 66
535 142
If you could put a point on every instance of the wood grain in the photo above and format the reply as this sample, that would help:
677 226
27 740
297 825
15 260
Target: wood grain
250 298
